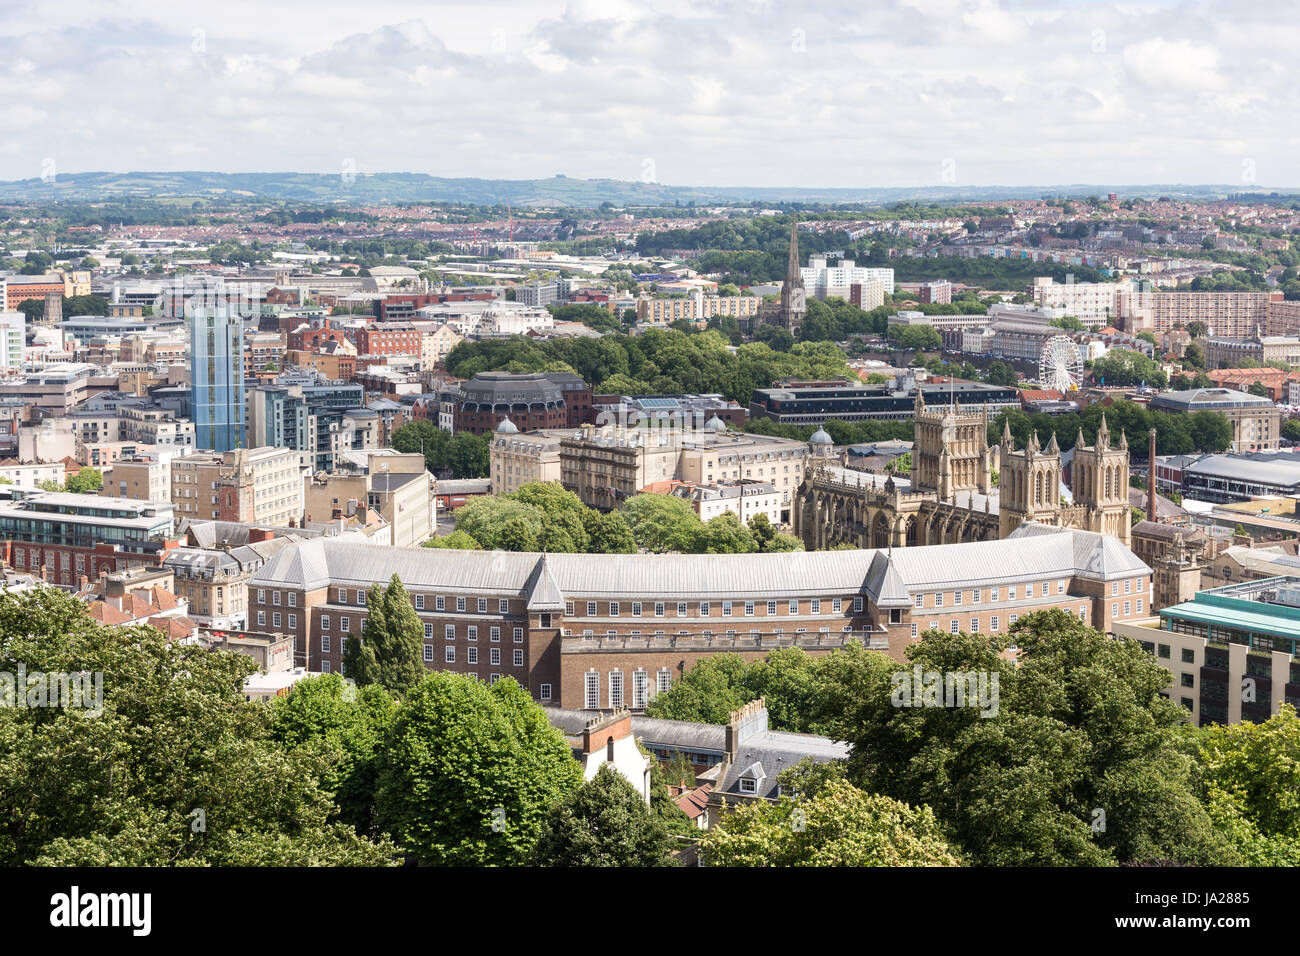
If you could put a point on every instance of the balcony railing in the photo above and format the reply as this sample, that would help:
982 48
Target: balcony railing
577 643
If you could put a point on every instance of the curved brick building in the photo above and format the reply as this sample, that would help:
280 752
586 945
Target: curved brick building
595 631
532 402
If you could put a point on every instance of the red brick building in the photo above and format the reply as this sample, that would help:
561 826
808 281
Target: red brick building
605 631
530 401
389 338
310 339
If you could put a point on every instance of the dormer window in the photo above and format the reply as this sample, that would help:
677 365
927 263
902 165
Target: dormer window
748 785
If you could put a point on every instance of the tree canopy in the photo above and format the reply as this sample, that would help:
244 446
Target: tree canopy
470 771
659 361
1084 763
178 769
603 823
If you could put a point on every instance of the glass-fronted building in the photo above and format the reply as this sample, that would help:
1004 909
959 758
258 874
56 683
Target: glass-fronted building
1233 652
217 378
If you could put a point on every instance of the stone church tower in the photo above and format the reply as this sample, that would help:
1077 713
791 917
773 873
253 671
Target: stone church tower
794 301
1100 480
1029 483
950 451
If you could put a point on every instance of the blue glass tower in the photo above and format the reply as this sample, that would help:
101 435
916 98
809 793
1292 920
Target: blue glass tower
217 377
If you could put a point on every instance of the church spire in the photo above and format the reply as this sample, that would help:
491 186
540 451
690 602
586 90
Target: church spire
1103 434
792 266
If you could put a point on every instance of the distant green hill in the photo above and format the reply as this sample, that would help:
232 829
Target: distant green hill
557 191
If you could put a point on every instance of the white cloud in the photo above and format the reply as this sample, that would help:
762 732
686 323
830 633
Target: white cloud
1174 65
717 92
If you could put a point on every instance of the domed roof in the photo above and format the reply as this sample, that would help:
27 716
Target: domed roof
507 427
819 437
715 424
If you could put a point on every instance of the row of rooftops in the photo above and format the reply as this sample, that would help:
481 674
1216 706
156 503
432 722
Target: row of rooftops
889 578
743 748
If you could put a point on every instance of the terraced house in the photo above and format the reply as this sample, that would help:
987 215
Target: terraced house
606 631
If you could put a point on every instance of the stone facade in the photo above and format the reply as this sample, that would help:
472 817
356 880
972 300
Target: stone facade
950 496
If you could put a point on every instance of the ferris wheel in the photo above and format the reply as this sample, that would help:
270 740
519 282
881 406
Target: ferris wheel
1060 366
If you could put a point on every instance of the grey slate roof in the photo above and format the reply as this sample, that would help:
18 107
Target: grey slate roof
543 593
1033 552
765 755
1280 468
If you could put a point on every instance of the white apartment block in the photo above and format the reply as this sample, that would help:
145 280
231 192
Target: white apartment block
29 474
1229 314
744 499
13 341
822 280
695 307
1093 303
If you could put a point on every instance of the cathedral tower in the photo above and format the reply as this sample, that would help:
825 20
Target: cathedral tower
1029 483
1100 479
950 451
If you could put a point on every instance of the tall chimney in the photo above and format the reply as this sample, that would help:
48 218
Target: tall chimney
1151 475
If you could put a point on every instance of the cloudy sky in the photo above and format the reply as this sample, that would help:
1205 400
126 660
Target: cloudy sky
685 92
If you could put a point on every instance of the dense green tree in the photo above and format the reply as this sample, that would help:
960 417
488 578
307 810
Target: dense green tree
774 336
85 305
461 456
609 533
175 736
390 651
1001 373
468 455
723 534
561 510
789 682
915 337
1122 367
86 481
708 692
495 521
470 771
661 523
1193 356
840 826
1079 726
457 540
1210 431
1291 429
1250 779
1070 323
603 823
659 360
348 726
540 516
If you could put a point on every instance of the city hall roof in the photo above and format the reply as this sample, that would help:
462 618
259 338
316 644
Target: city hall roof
1033 552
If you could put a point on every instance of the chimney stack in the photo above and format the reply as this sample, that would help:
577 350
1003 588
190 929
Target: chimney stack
1151 475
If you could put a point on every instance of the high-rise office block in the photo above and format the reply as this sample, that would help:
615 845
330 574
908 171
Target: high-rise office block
217 377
